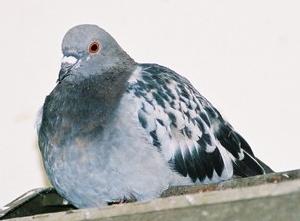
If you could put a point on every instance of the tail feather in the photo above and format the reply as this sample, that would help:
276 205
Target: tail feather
266 167
248 164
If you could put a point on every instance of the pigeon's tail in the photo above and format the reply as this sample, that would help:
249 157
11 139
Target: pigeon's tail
265 166
249 165
245 164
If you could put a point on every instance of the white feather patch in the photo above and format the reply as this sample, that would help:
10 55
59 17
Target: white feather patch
69 60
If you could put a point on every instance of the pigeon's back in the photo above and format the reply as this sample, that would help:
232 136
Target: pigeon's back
189 132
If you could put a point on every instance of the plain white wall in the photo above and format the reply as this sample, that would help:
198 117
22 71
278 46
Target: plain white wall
242 55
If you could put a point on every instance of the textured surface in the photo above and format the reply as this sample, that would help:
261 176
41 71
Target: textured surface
273 201
37 201
47 201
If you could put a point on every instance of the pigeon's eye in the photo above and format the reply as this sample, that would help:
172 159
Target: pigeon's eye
94 47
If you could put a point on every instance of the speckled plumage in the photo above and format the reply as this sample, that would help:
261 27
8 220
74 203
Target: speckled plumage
113 129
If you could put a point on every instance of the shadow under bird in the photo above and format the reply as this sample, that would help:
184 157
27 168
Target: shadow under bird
114 130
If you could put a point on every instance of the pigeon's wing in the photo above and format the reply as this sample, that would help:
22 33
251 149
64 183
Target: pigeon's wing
189 132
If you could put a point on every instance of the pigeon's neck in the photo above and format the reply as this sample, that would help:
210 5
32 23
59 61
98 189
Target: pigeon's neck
79 111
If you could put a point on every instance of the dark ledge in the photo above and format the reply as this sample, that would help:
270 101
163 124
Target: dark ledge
46 200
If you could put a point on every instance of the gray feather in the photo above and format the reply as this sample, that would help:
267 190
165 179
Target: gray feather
113 129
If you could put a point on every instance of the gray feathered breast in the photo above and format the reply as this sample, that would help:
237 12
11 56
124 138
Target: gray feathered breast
82 109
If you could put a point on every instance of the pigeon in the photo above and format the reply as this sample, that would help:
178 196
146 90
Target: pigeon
114 130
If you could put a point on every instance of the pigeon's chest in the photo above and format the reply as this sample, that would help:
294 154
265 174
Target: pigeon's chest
76 113
108 165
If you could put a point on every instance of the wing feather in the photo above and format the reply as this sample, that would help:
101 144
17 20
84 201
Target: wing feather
189 132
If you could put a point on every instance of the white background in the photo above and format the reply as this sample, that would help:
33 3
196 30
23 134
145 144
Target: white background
244 56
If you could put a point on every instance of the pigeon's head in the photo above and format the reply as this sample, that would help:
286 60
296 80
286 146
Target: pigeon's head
89 50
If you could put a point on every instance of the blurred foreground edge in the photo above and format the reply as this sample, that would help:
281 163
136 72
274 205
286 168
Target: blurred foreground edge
264 195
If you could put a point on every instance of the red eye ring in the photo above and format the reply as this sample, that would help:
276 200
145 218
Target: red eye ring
94 47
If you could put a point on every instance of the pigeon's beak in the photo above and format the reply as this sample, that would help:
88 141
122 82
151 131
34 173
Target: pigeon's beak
67 63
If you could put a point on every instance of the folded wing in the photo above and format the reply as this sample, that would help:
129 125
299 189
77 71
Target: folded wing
190 133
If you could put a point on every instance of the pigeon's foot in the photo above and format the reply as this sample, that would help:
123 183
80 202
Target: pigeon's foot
121 201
